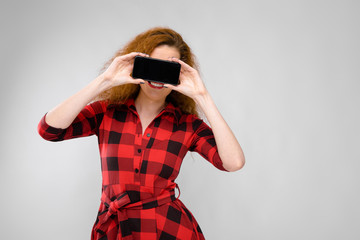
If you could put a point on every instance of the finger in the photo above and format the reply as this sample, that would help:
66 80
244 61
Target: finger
170 86
183 64
139 81
126 57
172 59
131 56
135 80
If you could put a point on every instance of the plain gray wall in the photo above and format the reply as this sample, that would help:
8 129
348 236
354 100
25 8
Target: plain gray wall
284 74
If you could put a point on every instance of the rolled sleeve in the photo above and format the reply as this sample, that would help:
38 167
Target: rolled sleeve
203 142
86 123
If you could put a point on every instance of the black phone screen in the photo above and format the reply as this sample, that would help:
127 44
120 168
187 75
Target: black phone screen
156 70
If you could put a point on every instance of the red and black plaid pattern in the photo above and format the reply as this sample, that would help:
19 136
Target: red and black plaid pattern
138 170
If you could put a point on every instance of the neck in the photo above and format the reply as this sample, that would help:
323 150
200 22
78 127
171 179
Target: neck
148 106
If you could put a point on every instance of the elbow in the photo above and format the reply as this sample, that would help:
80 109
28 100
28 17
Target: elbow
46 134
50 139
236 165
43 133
47 137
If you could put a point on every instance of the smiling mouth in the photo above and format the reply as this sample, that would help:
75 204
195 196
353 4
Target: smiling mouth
156 85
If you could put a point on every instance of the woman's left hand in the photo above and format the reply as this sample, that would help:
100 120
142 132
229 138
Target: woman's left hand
191 83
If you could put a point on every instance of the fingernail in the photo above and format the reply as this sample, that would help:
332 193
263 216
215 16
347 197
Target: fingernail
142 83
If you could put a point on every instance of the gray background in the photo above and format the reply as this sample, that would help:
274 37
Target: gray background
284 74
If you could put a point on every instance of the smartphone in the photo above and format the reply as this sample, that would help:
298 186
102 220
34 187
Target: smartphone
156 70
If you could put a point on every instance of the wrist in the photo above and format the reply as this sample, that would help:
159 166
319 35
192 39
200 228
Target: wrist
101 84
202 99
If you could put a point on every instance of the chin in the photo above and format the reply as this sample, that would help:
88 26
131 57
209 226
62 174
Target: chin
155 94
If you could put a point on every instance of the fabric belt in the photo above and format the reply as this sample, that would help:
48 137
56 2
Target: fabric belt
116 208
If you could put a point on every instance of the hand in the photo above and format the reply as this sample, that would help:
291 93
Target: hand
191 83
118 73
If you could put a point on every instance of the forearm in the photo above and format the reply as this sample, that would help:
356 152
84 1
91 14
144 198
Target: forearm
64 114
229 148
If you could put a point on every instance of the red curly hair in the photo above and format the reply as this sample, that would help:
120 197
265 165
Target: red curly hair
146 42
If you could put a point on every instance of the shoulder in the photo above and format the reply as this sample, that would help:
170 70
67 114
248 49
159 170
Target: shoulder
192 120
97 106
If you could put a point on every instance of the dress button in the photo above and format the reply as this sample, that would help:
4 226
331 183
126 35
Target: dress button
139 150
136 170
148 135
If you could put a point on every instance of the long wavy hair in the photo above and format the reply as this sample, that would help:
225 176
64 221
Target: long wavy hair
146 42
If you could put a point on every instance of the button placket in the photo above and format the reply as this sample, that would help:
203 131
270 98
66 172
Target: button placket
148 131
139 152
137 156
139 159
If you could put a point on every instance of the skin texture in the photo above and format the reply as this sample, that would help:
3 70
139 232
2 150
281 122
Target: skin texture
151 101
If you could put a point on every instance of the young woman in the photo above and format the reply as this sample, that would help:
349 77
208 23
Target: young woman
144 131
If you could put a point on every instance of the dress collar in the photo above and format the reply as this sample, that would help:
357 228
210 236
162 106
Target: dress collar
169 108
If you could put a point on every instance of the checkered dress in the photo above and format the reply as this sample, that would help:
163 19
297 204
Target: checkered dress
138 170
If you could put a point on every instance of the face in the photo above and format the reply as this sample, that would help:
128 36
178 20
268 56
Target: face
155 91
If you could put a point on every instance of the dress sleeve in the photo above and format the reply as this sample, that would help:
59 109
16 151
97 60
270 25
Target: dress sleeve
86 123
203 142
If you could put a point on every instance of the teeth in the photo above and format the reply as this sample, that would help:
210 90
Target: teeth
156 84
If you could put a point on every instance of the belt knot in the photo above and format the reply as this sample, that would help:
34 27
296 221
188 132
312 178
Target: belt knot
114 209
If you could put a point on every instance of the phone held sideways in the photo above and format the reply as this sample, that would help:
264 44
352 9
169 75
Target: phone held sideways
156 70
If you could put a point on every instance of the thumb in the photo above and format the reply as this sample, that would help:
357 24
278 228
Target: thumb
140 81
136 80
172 87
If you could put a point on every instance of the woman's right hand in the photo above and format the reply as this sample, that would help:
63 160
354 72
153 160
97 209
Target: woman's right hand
118 73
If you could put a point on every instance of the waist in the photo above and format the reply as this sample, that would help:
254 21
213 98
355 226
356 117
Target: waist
132 196
116 198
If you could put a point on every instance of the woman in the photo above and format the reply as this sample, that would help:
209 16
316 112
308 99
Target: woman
144 130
